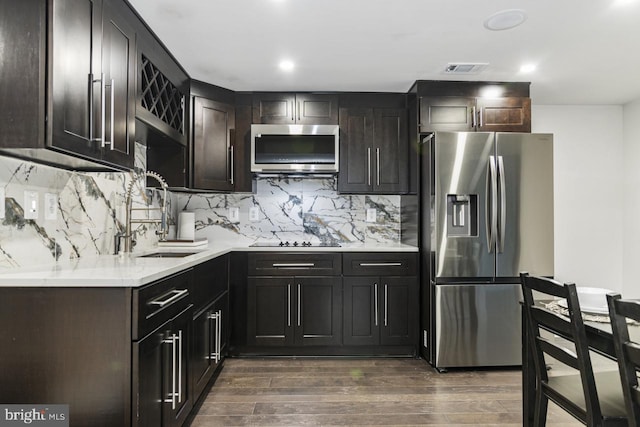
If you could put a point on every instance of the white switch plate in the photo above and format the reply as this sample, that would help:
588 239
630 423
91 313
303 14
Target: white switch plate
371 215
254 214
234 215
50 206
30 204
2 203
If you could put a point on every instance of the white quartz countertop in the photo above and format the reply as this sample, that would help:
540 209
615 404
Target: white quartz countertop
132 270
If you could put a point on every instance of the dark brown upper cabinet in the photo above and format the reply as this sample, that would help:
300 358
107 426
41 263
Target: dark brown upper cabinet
69 101
448 113
213 145
163 87
373 151
220 131
118 66
472 106
302 108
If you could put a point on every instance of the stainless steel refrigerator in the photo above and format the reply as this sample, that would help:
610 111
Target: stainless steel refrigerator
487 212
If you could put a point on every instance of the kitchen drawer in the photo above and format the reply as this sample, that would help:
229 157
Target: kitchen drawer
159 301
210 280
294 264
380 264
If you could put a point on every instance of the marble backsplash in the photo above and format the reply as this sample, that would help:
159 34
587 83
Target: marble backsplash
291 209
90 212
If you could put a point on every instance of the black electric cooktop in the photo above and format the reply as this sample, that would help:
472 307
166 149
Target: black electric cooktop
295 244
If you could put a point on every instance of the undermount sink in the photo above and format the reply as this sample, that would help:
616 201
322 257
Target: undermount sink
167 255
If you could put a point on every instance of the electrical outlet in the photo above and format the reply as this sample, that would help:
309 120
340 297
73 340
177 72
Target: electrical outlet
371 215
30 204
234 215
254 214
50 206
1 203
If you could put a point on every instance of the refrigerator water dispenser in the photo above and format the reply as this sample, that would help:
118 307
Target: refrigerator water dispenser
462 215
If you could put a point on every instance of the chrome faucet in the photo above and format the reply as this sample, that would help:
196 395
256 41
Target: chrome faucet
162 232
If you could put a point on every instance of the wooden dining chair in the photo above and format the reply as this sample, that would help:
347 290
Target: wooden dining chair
575 392
627 352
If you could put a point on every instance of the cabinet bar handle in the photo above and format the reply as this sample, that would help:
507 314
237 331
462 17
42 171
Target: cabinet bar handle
375 302
368 165
91 82
232 161
299 293
380 264
219 337
103 105
293 118
215 354
180 366
299 105
378 166
183 115
289 304
294 265
170 296
480 116
113 115
173 371
386 303
473 117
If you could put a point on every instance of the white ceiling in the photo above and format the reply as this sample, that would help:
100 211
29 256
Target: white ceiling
586 51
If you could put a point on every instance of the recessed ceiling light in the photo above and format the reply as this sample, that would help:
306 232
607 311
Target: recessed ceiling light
505 19
286 65
528 68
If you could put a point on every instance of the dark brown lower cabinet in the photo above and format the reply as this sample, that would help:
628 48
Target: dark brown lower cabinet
118 356
62 345
162 396
294 311
209 342
335 304
380 310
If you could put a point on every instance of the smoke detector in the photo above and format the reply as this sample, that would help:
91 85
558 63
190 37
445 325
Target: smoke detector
464 68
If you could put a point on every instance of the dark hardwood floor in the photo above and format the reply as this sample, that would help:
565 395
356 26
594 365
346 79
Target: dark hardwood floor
363 392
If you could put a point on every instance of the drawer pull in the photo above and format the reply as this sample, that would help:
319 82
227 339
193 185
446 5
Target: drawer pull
380 264
294 265
169 297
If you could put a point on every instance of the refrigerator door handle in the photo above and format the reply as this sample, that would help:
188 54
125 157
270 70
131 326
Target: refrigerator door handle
503 204
491 206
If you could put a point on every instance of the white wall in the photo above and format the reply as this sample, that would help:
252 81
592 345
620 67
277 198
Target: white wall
589 197
631 187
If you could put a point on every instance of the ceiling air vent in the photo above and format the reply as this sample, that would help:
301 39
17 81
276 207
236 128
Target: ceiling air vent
462 68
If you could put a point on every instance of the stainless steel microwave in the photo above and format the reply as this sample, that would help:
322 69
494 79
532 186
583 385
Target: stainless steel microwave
294 149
